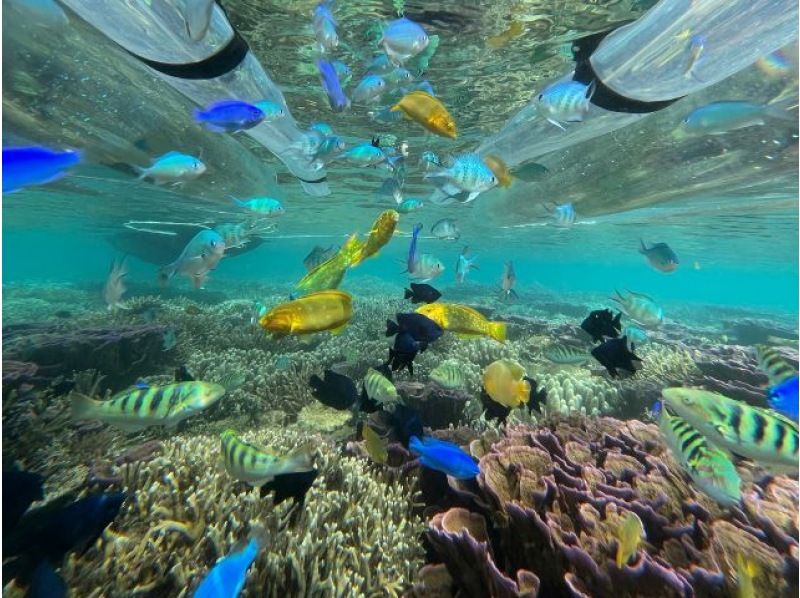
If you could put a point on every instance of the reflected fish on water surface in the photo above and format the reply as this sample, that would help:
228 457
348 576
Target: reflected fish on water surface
446 229
708 466
172 167
28 166
410 205
200 256
754 433
255 466
630 534
515 29
444 456
565 102
261 206
318 255
337 100
316 312
403 39
660 256
468 173
324 25
429 112
641 308
718 118
364 154
464 265
229 116
463 320
115 287
529 172
564 215
369 89
272 110
500 170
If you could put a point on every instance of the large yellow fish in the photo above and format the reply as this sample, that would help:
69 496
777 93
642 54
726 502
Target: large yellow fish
428 111
329 274
463 320
317 312
379 235
500 170
630 533
504 381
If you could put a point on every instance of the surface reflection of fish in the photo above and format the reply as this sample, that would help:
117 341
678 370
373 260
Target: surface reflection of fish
564 215
429 112
324 310
508 281
466 173
318 255
529 172
446 229
565 102
198 258
718 118
660 256
403 39
515 29
115 288
464 265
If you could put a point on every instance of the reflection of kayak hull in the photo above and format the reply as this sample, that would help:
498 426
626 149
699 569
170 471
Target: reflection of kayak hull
159 249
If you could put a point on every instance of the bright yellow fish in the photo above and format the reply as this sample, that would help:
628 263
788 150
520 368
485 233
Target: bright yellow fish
329 274
379 235
375 445
317 312
504 381
429 112
463 320
746 571
629 534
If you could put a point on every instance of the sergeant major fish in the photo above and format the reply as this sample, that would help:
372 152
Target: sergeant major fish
467 173
448 374
565 101
255 466
565 354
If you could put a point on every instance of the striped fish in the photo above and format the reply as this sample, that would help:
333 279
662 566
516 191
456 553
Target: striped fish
751 432
379 388
773 364
448 375
249 463
139 408
709 467
565 354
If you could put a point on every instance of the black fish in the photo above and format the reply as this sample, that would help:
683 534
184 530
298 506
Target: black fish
290 485
335 390
495 410
614 354
422 293
601 323
406 423
50 532
182 374
22 489
46 583
421 328
403 353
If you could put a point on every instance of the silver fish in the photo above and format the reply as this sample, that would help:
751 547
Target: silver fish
565 354
446 229
641 308
198 258
115 287
508 280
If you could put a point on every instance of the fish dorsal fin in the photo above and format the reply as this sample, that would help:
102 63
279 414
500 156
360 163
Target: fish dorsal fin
170 154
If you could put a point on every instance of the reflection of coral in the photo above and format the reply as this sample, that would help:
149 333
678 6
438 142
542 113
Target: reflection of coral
354 534
554 497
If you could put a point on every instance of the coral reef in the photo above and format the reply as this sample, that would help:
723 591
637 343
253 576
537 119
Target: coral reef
551 499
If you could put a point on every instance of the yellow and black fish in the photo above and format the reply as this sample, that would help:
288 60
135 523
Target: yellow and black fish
773 364
751 432
141 407
251 464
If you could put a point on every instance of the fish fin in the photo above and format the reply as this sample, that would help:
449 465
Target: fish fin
643 248
392 328
131 426
780 109
556 123
468 335
408 294
82 407
216 129
591 89
338 330
472 196
497 330
141 172
199 280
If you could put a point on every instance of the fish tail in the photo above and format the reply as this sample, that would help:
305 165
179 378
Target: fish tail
391 328
141 172
82 407
643 248
165 274
408 294
199 115
780 109
497 330
415 445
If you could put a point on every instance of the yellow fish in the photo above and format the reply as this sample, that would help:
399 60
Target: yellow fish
463 320
375 445
629 534
427 111
500 170
317 312
379 235
256 466
746 570
329 274
504 381
501 39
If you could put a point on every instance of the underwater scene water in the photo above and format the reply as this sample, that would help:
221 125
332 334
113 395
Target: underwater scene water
371 298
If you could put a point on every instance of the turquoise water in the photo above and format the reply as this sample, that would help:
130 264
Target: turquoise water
363 524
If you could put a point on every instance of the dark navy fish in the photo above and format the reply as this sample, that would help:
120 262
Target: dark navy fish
333 89
601 323
290 485
402 354
422 293
421 328
406 423
614 355
660 256
26 166
334 390
229 116
27 488
444 456
46 583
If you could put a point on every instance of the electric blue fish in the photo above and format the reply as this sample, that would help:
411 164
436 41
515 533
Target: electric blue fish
783 397
333 89
226 579
26 166
229 116
444 456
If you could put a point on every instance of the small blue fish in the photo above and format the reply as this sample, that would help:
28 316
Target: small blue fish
173 167
411 262
261 206
430 158
390 188
200 256
333 89
364 154
342 71
403 39
229 116
323 129
464 265
697 44
330 149
564 215
380 65
272 110
386 115
444 456
566 101
410 205
324 24
226 579
26 166
635 335
660 256
783 397
369 89
141 384
424 86
717 118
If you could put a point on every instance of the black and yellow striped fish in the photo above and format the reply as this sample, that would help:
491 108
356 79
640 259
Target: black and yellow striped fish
709 467
256 466
751 432
379 388
139 408
773 364
565 354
